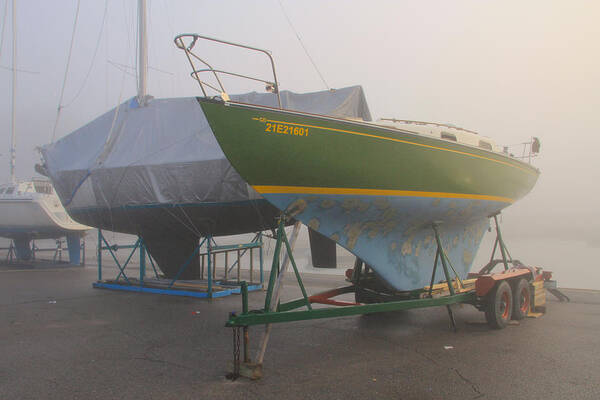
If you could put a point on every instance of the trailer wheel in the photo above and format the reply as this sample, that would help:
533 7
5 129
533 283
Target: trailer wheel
499 306
522 299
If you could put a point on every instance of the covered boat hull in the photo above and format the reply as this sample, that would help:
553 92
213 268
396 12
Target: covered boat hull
171 231
376 191
157 171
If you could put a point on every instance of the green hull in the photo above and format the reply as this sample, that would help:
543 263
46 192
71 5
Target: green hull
375 191
335 153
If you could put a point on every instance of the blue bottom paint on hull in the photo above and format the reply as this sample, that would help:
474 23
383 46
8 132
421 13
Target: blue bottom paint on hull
394 234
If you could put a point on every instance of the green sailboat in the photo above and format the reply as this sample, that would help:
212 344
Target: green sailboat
376 189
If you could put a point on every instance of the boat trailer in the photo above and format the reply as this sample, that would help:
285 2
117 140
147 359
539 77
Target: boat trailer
517 291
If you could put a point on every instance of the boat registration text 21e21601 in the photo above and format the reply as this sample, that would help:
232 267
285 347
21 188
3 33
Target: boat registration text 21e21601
283 128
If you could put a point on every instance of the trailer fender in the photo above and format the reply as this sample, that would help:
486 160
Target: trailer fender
485 283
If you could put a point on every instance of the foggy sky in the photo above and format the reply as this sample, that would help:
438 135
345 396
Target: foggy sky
506 69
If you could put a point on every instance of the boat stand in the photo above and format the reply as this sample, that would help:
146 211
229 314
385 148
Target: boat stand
12 252
56 251
507 259
276 312
207 250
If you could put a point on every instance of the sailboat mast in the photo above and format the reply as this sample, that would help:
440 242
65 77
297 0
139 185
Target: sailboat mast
13 179
143 54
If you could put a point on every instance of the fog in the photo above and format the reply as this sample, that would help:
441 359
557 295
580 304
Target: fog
506 69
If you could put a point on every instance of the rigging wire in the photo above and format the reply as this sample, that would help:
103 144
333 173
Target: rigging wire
302 44
168 19
93 57
19 70
106 43
2 44
172 33
62 92
3 25
109 138
126 28
121 67
107 143
13 139
137 53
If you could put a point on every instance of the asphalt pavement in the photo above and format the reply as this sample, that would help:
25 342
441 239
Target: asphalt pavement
62 339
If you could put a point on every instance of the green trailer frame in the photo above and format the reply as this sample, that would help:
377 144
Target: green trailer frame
276 312
484 295
287 312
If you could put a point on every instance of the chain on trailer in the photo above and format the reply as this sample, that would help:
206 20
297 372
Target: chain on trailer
236 355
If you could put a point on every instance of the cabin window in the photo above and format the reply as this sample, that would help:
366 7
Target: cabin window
485 145
2 190
10 190
449 136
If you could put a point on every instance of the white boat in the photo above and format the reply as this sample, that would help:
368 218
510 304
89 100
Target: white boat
31 209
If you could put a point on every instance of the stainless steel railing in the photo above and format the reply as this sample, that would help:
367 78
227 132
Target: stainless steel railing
187 42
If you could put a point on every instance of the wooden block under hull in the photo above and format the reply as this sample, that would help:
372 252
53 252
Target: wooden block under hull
538 297
441 289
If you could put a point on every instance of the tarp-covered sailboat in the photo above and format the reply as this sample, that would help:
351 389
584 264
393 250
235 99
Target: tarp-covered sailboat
157 171
152 167
376 189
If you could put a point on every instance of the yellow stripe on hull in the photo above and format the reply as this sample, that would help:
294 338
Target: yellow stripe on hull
375 192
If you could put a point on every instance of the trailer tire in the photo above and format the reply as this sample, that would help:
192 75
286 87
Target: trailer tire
521 299
499 307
